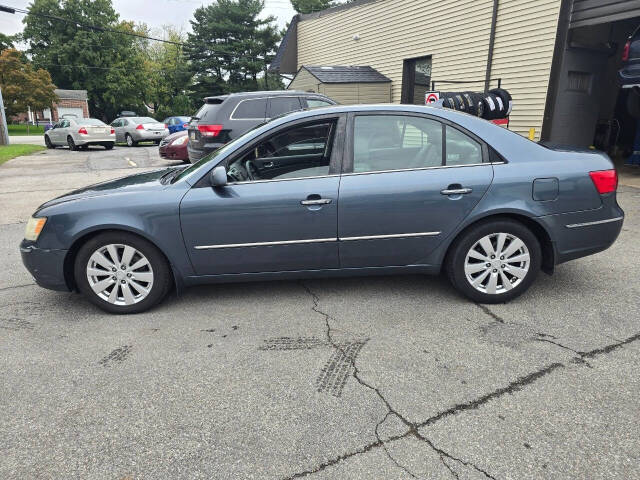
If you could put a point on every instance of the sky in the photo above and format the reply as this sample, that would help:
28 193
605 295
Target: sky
154 13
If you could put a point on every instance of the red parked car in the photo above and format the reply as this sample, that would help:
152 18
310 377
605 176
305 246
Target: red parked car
174 146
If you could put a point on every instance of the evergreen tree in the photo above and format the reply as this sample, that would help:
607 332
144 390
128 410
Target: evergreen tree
230 47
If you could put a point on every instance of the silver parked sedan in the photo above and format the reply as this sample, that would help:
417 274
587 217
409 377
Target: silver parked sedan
80 133
139 129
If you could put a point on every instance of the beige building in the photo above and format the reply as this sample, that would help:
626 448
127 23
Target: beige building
530 47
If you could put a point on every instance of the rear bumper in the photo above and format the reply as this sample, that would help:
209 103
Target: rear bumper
96 141
46 266
629 75
149 135
580 234
196 154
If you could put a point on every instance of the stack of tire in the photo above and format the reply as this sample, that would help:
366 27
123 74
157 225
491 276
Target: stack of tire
492 105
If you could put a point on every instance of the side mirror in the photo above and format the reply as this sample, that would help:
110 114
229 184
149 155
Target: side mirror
219 176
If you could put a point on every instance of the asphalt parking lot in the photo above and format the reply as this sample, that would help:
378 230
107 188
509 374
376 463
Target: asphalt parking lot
363 378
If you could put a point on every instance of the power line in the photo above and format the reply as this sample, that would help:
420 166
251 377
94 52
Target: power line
4 8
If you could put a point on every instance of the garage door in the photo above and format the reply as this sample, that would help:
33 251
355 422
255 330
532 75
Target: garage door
62 111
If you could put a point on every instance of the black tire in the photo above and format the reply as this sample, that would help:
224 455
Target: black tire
456 258
161 270
506 99
130 141
460 103
47 142
469 103
478 100
108 146
72 145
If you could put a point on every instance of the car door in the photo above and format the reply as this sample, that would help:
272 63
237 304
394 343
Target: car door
277 213
54 133
63 131
409 181
116 124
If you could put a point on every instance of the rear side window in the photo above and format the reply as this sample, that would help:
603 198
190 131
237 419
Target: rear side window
462 149
282 105
254 109
396 142
317 103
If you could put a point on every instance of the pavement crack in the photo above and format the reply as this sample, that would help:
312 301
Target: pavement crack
610 348
16 286
493 315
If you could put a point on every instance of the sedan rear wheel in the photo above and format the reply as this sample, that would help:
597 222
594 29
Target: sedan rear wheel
494 261
71 143
122 273
130 141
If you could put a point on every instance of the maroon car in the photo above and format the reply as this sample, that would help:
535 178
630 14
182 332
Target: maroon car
174 146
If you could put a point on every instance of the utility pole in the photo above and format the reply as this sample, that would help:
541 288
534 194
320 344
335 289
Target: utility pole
4 131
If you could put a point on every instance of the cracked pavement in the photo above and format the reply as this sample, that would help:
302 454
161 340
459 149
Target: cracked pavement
227 380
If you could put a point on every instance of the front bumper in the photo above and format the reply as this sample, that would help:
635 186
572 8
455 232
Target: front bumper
46 266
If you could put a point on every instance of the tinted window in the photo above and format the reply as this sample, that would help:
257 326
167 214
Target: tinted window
282 105
255 109
303 151
394 142
315 103
462 149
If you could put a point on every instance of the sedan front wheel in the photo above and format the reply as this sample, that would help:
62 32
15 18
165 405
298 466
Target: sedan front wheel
494 261
122 273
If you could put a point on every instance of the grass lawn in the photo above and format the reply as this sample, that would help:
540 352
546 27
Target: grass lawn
22 130
7 152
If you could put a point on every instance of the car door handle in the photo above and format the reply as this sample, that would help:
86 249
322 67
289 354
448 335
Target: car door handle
318 201
267 164
456 191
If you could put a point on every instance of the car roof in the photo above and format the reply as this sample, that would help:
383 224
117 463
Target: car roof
265 93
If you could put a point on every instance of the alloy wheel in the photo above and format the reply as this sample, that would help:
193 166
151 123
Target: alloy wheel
129 141
497 263
120 274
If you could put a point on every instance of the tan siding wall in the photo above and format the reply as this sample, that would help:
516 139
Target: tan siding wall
455 33
523 51
304 81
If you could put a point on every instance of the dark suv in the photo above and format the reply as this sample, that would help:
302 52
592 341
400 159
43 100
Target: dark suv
226 117
629 74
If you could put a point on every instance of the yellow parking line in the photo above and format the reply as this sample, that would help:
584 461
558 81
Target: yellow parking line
132 163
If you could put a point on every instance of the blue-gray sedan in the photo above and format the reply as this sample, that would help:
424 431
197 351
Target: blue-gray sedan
347 190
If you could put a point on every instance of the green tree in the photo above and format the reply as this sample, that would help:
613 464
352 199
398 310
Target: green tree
309 6
6 41
106 64
230 47
168 76
22 85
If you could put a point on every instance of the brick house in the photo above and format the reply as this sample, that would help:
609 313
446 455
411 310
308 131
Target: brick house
69 102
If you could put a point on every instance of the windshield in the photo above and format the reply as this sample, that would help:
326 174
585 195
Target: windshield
215 156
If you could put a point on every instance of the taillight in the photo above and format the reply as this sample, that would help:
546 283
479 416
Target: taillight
186 125
140 127
83 131
210 130
625 51
605 181
113 131
166 126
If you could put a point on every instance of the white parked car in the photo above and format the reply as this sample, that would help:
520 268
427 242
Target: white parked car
80 133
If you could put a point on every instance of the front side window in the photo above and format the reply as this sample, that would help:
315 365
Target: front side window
282 105
462 149
396 142
301 151
251 109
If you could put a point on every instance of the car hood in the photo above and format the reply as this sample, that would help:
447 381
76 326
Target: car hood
132 183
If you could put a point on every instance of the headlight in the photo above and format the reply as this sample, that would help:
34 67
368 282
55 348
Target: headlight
34 227
180 140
